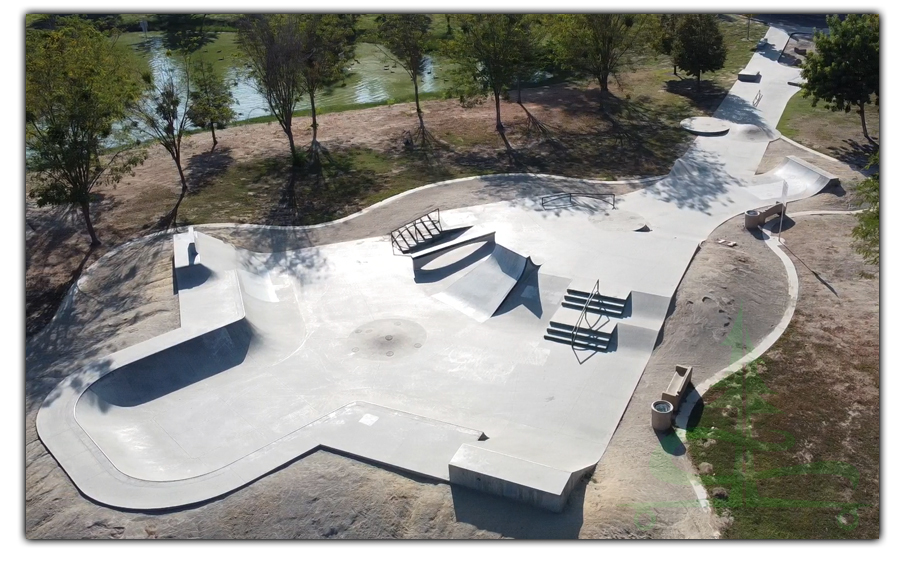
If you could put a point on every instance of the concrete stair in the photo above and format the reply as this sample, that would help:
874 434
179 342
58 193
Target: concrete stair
600 304
592 332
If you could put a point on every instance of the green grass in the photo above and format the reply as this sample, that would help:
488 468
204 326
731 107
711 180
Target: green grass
268 192
789 473
835 133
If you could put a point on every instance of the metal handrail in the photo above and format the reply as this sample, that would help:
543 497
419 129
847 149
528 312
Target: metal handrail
601 196
412 229
595 291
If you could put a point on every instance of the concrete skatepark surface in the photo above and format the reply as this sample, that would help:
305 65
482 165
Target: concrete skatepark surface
344 347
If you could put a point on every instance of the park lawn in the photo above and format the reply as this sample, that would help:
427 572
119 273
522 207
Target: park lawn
263 191
835 133
794 438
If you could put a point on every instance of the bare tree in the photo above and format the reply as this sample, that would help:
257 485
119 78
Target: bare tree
275 53
407 38
162 115
326 42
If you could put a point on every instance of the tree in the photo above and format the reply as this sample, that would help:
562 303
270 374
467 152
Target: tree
407 38
326 42
532 60
486 51
274 52
78 83
210 101
662 37
843 71
867 231
749 19
598 45
699 46
162 115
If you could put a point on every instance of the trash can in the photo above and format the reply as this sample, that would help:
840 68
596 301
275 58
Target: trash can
661 415
751 220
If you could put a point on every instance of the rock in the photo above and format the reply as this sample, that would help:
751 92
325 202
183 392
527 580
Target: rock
706 468
720 493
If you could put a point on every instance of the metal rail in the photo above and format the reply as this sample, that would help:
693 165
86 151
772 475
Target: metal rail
595 291
569 195
430 222
758 98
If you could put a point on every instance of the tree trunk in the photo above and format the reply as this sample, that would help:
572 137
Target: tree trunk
674 69
862 116
184 189
698 81
748 27
603 78
295 159
497 105
212 128
418 108
315 125
86 211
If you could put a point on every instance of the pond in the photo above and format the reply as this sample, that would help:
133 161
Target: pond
372 77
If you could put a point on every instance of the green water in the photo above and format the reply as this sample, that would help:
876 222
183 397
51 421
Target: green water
372 78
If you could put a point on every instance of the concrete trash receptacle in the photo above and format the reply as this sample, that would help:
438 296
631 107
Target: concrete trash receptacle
661 415
751 220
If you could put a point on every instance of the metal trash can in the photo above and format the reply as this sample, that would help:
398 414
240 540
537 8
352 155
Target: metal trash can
661 415
751 220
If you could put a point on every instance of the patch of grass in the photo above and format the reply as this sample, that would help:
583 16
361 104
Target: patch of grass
790 468
270 191
835 133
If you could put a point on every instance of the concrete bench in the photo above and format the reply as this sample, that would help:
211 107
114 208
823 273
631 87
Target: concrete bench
754 219
749 76
184 250
681 379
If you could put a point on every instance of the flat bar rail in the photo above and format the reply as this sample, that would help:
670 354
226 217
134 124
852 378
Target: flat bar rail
595 292
606 197
417 231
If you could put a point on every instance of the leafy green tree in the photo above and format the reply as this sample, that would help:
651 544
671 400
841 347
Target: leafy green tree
599 45
210 101
407 38
867 231
662 35
78 84
843 71
699 46
275 53
161 114
486 50
326 42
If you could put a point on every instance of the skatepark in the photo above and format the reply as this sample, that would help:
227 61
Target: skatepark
494 347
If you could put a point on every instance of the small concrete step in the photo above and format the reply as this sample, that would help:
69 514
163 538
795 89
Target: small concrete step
582 334
564 328
598 346
582 297
594 308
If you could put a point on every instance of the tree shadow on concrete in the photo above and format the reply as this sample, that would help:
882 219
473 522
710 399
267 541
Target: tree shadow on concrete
697 180
517 520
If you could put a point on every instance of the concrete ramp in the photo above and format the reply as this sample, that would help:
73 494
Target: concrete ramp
802 179
480 292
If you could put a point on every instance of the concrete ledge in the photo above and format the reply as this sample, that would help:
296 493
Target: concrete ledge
511 477
749 76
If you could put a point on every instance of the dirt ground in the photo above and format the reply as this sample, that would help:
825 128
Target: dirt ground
639 490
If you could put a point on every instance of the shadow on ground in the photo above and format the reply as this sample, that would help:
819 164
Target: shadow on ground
516 520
